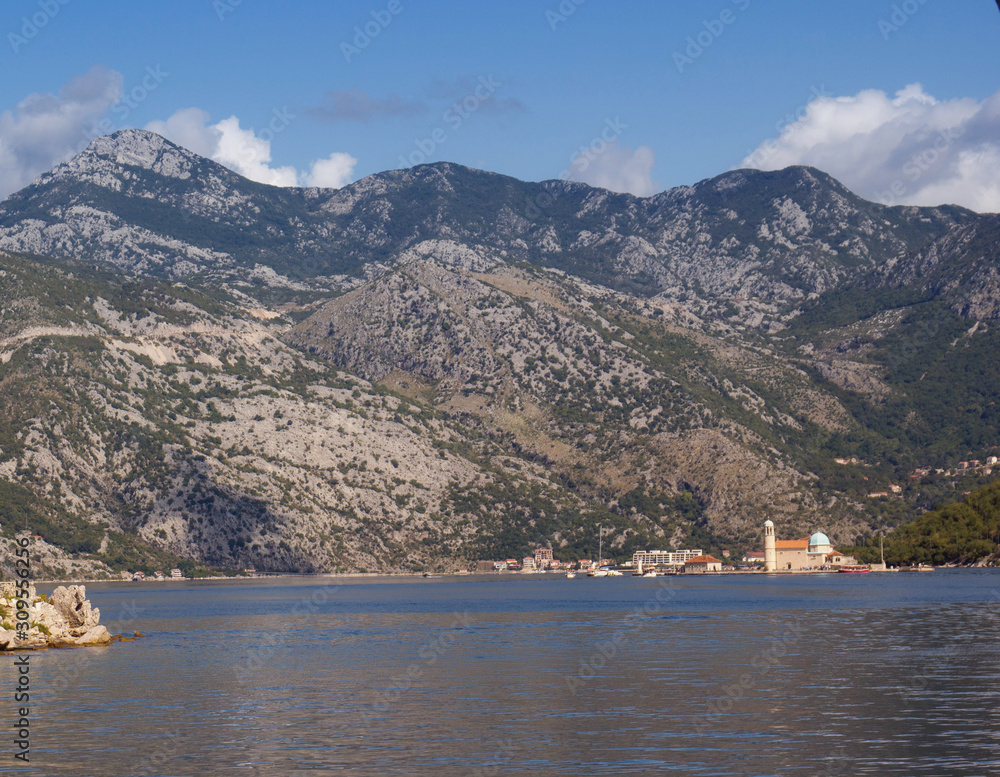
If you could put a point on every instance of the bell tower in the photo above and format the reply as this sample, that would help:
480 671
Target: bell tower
770 554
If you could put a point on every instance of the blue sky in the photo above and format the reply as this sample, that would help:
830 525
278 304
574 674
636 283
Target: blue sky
684 90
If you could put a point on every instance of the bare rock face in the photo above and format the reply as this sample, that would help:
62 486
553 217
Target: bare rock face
66 619
556 344
72 605
96 635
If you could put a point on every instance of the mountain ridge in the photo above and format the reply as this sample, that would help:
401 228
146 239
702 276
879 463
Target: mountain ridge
663 244
242 361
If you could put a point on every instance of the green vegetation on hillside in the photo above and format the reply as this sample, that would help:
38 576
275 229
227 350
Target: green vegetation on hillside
960 533
938 403
546 407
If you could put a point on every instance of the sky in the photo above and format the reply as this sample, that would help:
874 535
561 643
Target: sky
898 100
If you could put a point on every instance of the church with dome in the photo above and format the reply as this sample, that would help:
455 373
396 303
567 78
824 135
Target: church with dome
814 552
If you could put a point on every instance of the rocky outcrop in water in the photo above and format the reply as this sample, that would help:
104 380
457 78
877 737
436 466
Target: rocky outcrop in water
64 619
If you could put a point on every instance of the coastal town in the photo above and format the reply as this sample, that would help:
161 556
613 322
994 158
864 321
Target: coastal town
814 553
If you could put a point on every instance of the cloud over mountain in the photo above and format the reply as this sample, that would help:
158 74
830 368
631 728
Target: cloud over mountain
617 168
248 151
45 129
908 149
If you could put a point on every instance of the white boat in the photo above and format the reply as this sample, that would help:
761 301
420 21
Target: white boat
571 575
650 573
599 571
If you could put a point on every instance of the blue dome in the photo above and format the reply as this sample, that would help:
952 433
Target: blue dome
818 539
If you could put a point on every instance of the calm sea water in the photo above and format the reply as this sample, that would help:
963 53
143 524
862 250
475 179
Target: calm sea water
795 675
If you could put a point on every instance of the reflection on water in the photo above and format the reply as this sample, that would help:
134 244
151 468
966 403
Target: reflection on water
817 675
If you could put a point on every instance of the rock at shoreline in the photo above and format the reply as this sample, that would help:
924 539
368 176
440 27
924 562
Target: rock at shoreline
71 603
65 619
96 635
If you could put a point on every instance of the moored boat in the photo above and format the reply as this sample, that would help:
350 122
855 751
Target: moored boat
597 570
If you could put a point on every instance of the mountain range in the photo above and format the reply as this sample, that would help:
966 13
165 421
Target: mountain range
436 365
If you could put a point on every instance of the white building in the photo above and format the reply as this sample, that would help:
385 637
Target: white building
663 558
814 552
702 564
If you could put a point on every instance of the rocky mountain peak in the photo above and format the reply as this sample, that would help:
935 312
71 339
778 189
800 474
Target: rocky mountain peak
549 356
107 159
143 204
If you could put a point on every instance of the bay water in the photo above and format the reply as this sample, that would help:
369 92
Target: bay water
887 674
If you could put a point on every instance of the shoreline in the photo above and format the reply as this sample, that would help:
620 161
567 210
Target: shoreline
359 576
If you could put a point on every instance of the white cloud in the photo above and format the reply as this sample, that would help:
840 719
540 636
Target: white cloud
45 129
908 149
333 172
610 166
248 153
189 128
